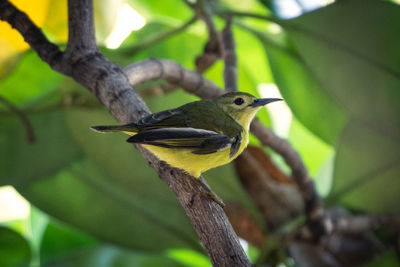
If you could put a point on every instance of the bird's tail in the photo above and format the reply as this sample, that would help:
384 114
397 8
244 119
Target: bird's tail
128 128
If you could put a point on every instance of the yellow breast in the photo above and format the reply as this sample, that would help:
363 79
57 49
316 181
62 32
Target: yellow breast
195 164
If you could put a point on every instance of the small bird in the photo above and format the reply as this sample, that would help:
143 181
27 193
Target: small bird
199 135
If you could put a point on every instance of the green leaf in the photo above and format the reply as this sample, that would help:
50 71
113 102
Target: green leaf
111 212
385 259
355 59
304 92
63 246
367 170
14 249
304 141
189 258
110 256
59 240
158 10
53 169
357 67
22 163
31 79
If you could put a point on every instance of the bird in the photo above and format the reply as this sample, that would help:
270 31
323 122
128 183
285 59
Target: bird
199 135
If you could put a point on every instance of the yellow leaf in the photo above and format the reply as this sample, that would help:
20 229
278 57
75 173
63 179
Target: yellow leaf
36 10
11 41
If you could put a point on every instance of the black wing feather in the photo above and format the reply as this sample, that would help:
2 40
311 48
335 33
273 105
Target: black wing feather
199 140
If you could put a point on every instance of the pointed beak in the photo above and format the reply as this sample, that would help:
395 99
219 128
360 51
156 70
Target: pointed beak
263 101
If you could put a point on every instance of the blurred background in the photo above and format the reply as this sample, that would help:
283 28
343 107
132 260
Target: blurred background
72 197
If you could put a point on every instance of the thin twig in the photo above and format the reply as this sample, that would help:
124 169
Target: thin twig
154 39
213 49
230 70
81 34
364 223
30 133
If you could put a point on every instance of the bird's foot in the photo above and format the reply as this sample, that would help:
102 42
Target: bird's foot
206 192
213 197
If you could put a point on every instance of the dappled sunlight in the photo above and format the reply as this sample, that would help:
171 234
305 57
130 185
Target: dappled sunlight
12 205
128 20
280 114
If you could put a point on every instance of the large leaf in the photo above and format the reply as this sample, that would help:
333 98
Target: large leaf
22 163
358 69
304 92
182 47
14 249
53 169
30 80
304 141
352 49
58 240
61 246
156 10
109 256
367 170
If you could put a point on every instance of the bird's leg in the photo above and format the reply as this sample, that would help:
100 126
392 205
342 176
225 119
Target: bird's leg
208 193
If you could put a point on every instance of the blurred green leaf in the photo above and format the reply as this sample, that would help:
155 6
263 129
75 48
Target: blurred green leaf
14 249
367 170
304 141
358 69
189 258
110 256
304 93
299 87
31 79
158 10
48 178
58 241
63 246
22 163
388 258
182 47
351 48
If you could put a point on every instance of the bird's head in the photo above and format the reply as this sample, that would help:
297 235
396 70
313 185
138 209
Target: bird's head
242 106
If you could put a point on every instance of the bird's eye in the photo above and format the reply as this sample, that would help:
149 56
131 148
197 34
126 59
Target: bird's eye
238 101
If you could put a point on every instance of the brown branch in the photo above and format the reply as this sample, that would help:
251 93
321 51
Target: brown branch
277 202
111 86
81 34
349 224
30 133
230 70
313 204
211 53
213 48
245 224
194 83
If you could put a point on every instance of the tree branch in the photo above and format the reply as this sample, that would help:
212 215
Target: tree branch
230 68
81 34
111 86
